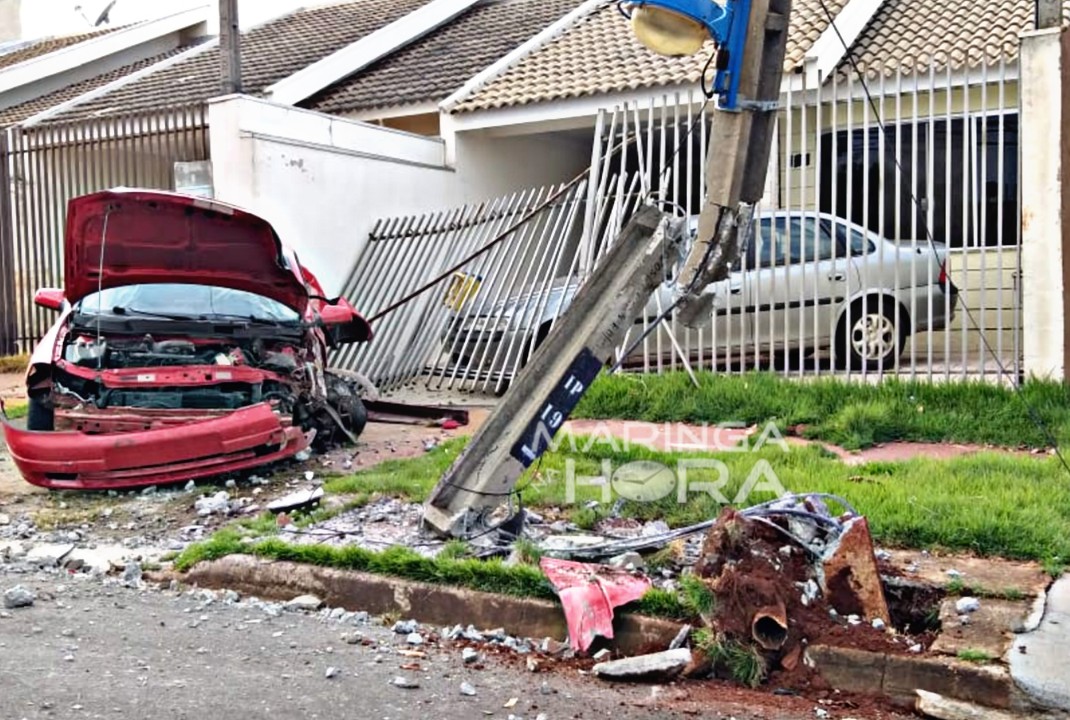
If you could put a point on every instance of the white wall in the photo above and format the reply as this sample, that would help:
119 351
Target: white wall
1043 225
323 181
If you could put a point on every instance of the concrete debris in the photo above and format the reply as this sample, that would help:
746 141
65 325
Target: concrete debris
303 455
190 486
627 561
657 666
405 683
878 624
132 575
19 597
304 602
936 706
468 689
681 637
331 672
469 656
602 654
5 519
954 574
218 504
405 627
414 639
655 527
296 501
967 605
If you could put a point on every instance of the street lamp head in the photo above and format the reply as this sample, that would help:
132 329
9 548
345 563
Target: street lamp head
676 27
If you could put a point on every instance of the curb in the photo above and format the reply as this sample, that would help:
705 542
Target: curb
895 677
440 605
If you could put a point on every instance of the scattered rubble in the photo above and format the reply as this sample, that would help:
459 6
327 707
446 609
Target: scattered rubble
966 605
218 504
468 689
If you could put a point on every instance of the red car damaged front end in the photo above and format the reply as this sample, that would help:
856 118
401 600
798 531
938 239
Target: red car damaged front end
194 345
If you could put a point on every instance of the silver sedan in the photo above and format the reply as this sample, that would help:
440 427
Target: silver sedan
807 282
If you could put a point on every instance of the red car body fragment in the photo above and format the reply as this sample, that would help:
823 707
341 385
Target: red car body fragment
241 439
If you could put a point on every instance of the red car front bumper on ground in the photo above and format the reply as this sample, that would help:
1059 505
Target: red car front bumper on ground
241 439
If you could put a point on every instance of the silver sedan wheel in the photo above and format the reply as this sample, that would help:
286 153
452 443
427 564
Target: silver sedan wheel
874 336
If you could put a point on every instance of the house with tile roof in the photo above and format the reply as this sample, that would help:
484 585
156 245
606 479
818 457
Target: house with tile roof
367 108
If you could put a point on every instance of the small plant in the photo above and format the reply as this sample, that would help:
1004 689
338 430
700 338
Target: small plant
974 656
527 552
454 550
389 618
955 586
696 596
585 518
746 664
664 558
1054 566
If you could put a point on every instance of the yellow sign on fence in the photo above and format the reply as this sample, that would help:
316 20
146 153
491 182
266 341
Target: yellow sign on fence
463 287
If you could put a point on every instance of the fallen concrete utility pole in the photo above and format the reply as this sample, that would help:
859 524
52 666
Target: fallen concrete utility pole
752 36
524 423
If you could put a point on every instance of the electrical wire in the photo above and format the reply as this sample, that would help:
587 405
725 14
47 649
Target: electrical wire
1034 415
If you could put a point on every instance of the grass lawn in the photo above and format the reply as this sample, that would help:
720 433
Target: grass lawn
991 504
853 415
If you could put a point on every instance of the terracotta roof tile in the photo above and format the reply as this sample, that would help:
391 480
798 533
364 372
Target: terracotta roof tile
600 55
433 67
47 45
907 35
270 53
23 111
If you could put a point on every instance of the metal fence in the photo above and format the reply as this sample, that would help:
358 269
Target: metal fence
476 326
887 244
44 166
888 241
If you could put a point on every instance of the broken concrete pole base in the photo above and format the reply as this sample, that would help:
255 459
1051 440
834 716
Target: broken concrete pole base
850 577
655 667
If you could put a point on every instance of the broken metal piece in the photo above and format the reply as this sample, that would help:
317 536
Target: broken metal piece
588 595
384 411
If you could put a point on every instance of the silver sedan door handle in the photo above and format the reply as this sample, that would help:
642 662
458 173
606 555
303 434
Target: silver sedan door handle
837 277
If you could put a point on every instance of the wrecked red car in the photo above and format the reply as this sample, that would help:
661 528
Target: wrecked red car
190 342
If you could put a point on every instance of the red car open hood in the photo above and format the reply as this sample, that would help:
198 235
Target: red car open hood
160 237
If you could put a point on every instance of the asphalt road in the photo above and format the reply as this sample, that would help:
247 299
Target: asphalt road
91 650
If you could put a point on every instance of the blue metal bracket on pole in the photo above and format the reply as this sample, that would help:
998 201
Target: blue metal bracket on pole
727 26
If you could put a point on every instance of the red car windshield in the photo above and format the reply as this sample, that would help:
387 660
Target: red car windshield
185 301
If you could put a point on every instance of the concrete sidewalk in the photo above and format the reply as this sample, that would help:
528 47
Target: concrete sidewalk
1039 658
